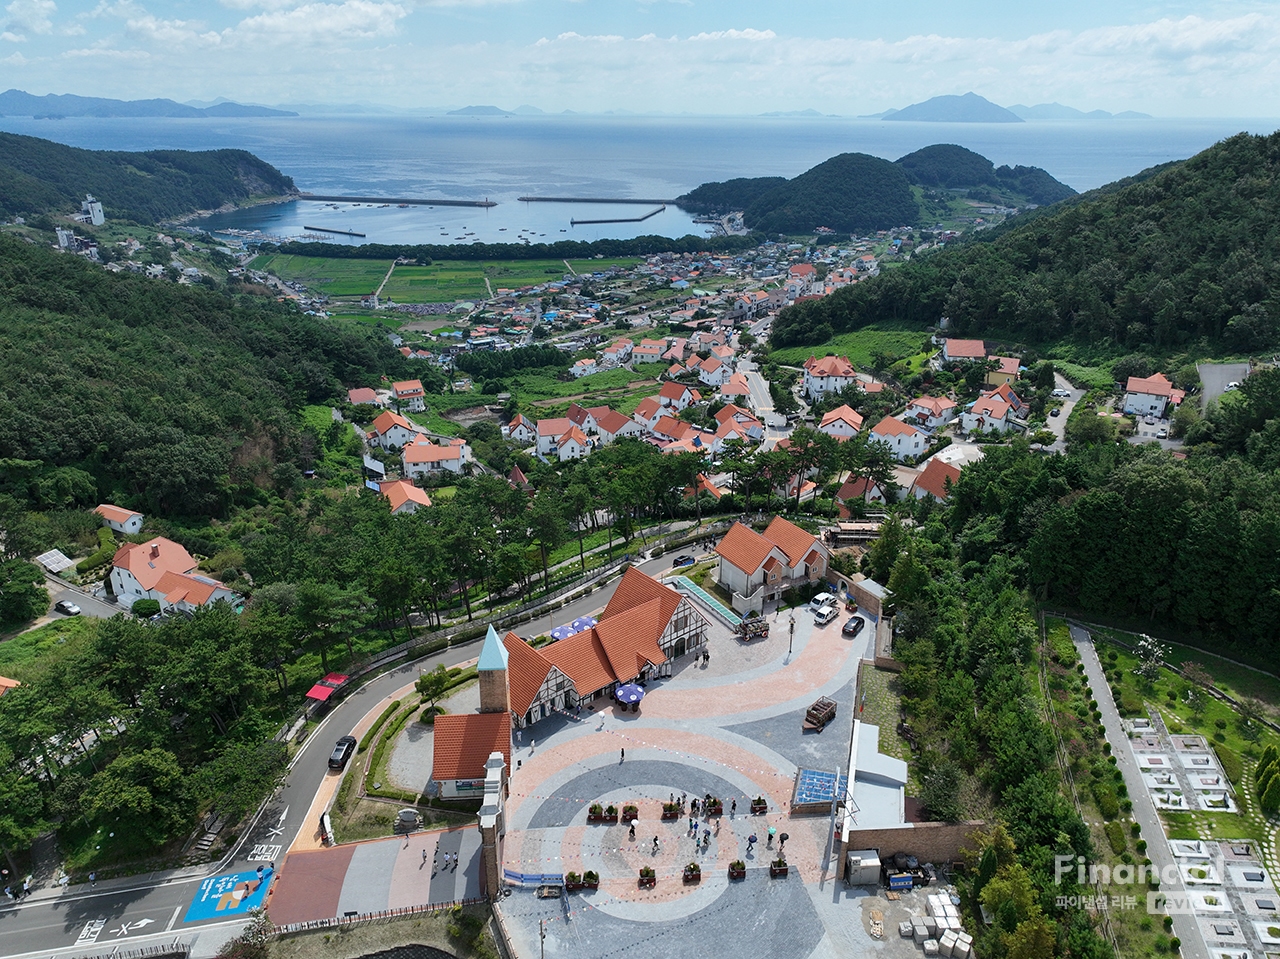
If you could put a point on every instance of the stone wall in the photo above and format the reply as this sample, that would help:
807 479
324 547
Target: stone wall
935 842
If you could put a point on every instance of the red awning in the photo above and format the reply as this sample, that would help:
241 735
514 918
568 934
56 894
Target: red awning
326 687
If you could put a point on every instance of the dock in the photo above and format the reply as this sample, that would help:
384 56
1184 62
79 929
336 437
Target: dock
486 202
622 219
592 199
325 229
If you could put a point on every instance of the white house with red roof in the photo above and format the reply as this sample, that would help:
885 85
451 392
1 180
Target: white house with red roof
162 570
858 488
572 445
121 520
1005 392
742 418
990 413
831 374
677 396
712 372
392 430
423 457
521 431
363 395
903 439
643 628
963 351
758 566
612 426
844 422
1006 371
649 351
549 433
1150 395
931 412
403 496
935 480
584 367
736 386
410 395
584 418
647 413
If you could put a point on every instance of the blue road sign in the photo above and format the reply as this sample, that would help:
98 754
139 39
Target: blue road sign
228 896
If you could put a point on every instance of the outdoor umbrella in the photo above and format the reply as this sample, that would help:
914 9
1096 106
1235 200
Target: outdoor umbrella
628 693
581 623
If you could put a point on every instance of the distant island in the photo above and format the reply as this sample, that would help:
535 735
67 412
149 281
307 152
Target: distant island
972 108
484 111
39 176
855 193
22 104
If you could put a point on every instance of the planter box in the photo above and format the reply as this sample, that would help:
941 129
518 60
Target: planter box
673 814
648 882
595 817
591 884
777 872
759 808
573 886
714 809
692 875
738 873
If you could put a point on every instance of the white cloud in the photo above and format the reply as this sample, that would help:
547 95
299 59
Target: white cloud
328 23
28 16
16 58
735 35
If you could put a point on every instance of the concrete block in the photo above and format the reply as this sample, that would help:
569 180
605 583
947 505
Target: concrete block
931 924
906 929
930 947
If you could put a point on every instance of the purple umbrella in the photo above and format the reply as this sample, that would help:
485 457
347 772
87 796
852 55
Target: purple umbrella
628 693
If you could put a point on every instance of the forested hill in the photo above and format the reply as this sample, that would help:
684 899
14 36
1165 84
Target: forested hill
1189 253
850 193
954 167
161 396
40 176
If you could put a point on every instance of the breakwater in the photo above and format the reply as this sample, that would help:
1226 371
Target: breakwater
627 219
590 199
412 201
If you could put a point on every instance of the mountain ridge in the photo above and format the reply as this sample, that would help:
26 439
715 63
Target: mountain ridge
14 102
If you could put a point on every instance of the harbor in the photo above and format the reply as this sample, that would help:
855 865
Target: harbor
592 199
398 200
325 229
626 219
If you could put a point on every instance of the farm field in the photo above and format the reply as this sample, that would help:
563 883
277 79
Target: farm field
445 281
889 338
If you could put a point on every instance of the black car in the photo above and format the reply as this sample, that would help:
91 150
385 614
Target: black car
1055 412
854 626
684 559
342 751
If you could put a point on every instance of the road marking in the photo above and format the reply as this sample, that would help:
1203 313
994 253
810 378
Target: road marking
128 927
278 829
264 853
174 918
91 931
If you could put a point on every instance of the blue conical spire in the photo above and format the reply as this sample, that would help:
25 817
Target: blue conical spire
493 655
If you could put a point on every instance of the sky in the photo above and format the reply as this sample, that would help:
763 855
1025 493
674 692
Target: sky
847 57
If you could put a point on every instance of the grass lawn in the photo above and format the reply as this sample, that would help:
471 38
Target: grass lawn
24 655
882 707
332 275
386 318
895 339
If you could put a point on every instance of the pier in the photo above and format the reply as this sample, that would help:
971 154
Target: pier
591 199
626 219
325 229
486 202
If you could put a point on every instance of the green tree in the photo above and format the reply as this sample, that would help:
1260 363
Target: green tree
145 791
1270 800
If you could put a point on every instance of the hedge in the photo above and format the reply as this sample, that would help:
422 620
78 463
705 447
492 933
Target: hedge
1231 762
1115 836
367 738
145 607
102 555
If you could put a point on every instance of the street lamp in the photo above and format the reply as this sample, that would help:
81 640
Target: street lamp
542 937
791 639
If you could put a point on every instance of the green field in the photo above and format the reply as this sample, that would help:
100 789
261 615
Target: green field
442 282
889 338
336 277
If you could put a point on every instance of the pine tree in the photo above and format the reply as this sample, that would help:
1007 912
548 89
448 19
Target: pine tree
1271 798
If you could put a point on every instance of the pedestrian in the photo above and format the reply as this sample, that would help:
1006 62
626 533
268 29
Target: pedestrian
751 841
519 738
631 834
93 879
772 833
707 800
782 841
673 799
733 808
717 827
261 870
655 845
682 798
693 825
424 857
7 893
693 806
532 743
272 866
706 837
622 754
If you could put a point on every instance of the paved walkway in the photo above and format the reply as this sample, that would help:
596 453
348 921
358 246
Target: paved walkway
733 729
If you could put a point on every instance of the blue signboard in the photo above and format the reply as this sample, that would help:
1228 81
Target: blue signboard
228 896
901 881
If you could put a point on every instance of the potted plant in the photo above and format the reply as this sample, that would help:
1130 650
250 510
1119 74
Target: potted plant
759 806
693 872
670 810
595 812
630 811
610 813
713 807
591 879
737 869
777 868
648 878
572 882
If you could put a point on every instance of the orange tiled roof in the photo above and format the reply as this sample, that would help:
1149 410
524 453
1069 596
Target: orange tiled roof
7 684
893 427
630 641
672 391
149 561
362 394
744 548
399 492
388 419
180 587
408 388
971 349
526 671
1155 385
583 659
846 413
430 453
636 589
464 741
789 538
829 366
935 476
612 421
647 407
116 514
556 426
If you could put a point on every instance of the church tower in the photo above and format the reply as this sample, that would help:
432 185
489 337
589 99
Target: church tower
495 697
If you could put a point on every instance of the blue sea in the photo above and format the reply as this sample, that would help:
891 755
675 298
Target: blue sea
502 158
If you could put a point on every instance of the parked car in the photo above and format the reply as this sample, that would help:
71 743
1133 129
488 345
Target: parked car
1061 393
824 615
66 607
1233 385
854 626
342 751
684 559
1055 412
1162 433
1150 421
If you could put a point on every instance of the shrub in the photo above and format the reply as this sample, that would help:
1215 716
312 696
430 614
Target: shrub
1175 943
145 607
591 876
1231 762
368 737
1115 836
1126 806
1219 724
1135 828
1105 797
1141 846
102 555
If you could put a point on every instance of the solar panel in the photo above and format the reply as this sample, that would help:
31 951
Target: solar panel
55 561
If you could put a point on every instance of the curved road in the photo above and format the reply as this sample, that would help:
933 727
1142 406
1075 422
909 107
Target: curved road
143 910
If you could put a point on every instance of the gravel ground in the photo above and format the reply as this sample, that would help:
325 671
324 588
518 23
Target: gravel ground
410 764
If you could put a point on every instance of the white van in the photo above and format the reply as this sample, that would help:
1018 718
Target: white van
825 615
822 599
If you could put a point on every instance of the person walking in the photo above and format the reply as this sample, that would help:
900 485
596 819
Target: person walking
622 754
772 832
261 870
93 879
706 838
733 808
631 833
693 806
424 857
655 845
751 842
693 825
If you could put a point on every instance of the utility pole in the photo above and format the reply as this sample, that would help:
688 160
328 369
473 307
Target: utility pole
791 639
542 937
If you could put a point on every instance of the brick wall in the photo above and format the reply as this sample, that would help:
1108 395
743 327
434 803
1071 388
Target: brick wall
936 842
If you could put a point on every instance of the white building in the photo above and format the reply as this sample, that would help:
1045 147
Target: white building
392 430
422 457
162 570
903 439
409 394
931 411
1150 396
831 374
125 521
844 422
990 414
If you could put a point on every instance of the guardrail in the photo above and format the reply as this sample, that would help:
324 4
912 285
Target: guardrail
352 918
176 949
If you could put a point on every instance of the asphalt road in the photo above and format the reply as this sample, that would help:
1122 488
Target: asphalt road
143 910
1214 378
1058 424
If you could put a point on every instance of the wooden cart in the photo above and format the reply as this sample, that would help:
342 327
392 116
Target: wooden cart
750 629
819 714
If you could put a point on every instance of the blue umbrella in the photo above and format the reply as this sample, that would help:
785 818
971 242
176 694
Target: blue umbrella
562 632
628 693
581 623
